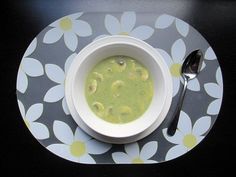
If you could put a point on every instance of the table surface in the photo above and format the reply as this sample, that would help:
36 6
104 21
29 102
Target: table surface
22 21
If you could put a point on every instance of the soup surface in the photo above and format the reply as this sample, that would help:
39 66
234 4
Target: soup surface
119 89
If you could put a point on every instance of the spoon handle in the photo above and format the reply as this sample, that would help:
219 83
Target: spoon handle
173 125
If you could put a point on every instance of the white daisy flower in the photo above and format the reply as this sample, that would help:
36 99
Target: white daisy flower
215 90
77 146
68 27
39 130
210 54
134 155
175 61
186 137
164 21
126 26
29 66
57 75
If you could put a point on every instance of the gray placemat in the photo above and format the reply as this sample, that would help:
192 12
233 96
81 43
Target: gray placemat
41 77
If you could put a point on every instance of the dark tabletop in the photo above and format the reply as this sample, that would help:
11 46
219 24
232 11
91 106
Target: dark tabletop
22 155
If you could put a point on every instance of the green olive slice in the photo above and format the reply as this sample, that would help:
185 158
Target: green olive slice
92 87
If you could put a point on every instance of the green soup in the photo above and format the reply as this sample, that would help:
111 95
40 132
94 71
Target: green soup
119 89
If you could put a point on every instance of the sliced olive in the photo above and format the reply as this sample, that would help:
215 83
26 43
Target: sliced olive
116 87
125 110
98 108
143 73
109 111
92 87
99 77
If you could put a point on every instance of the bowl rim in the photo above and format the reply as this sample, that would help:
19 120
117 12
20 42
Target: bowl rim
99 131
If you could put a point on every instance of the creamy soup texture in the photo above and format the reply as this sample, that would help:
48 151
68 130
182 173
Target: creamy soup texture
119 89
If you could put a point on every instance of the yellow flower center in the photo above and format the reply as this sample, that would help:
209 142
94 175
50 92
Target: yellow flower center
65 24
137 160
124 33
175 69
77 148
189 141
27 123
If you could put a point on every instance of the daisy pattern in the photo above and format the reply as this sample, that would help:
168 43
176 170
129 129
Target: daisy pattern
178 53
57 75
186 137
39 130
29 66
68 27
133 154
126 26
215 90
77 146
164 21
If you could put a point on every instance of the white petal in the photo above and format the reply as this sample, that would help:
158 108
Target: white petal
199 138
22 81
164 21
54 94
128 20
203 65
112 24
82 28
71 40
182 27
21 108
177 138
53 35
96 147
184 124
100 37
210 55
86 159
178 51
63 151
202 125
219 78
132 149
120 158
63 132
65 107
150 161
39 130
214 107
175 152
149 150
55 73
69 61
31 48
32 67
80 135
34 112
194 85
213 90
176 85
142 32
166 56
75 16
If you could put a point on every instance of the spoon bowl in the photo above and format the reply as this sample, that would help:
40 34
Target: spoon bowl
192 65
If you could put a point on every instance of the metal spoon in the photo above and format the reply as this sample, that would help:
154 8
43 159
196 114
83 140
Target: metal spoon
189 70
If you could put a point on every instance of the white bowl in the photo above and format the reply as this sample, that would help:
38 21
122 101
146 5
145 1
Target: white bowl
75 89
